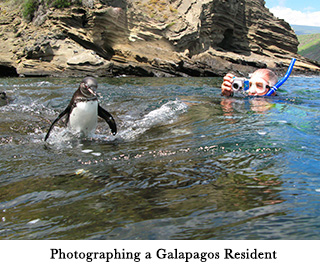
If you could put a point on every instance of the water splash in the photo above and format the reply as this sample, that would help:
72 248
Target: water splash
62 137
164 115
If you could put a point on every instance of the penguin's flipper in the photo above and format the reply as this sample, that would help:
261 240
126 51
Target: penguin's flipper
108 118
66 111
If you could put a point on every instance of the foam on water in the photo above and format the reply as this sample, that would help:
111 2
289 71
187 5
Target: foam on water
164 115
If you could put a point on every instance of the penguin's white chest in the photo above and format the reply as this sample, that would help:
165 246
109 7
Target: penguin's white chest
83 117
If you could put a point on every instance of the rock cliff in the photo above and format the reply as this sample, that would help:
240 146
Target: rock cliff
147 38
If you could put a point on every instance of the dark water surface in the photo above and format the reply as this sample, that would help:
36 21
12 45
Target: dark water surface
185 164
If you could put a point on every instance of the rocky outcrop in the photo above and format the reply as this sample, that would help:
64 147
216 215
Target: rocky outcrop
148 38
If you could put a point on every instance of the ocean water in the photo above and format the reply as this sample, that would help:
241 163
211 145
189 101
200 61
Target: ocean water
186 163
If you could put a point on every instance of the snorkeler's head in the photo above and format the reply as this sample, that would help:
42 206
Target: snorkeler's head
261 81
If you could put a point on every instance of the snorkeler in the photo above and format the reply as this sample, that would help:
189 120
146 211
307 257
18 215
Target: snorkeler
261 81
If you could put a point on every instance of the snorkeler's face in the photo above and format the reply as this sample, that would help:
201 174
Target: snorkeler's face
258 86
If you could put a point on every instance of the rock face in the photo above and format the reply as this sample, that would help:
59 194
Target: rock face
148 38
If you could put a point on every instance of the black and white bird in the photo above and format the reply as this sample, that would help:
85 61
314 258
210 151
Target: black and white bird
83 110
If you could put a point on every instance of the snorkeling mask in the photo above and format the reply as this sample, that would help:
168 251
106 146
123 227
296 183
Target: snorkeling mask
259 86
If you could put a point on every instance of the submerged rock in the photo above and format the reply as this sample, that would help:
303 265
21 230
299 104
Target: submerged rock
149 38
4 100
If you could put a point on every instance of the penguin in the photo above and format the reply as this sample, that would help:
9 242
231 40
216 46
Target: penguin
83 110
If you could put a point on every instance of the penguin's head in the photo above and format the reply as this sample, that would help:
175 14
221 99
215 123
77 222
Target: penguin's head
88 87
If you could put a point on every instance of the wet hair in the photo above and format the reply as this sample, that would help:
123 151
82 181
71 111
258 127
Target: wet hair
268 74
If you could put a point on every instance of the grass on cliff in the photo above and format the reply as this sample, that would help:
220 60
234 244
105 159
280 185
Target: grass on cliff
29 7
310 46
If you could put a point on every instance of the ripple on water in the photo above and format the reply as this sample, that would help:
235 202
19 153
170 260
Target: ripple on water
185 164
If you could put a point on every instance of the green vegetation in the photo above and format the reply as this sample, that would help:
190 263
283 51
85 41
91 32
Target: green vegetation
309 39
61 3
310 46
29 7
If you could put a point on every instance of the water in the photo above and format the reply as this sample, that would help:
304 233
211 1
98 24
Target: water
185 164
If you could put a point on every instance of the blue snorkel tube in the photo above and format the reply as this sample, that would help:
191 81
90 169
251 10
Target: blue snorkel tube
281 82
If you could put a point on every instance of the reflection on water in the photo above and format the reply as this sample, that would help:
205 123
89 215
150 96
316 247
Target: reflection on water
185 164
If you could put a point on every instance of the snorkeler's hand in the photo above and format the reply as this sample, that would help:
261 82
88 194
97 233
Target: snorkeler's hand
226 86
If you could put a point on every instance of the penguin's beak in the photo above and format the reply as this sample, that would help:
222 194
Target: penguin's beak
91 91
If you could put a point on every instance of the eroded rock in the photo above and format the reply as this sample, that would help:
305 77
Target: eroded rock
148 38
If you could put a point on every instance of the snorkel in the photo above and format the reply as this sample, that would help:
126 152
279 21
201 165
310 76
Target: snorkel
281 82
